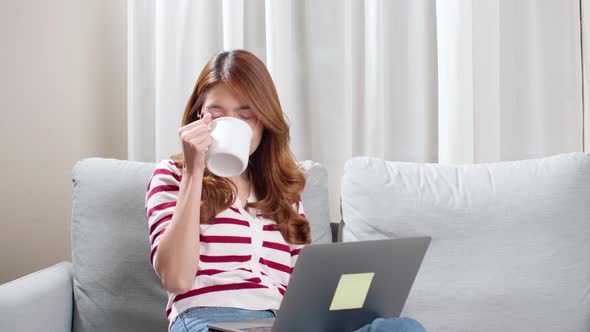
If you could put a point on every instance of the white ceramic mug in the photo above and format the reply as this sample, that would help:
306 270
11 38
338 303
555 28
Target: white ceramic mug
229 152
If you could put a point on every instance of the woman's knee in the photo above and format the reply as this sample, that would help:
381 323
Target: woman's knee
402 324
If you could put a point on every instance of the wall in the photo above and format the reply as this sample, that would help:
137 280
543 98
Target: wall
63 97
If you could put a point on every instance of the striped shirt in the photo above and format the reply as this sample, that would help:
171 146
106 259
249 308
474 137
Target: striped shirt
243 263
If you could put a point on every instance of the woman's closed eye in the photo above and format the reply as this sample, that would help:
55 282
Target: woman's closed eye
215 113
246 115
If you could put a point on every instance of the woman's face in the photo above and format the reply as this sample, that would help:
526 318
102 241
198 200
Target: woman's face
221 101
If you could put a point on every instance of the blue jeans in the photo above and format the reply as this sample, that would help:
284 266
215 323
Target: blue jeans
196 320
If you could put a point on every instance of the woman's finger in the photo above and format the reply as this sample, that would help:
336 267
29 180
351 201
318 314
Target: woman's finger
187 135
200 140
196 123
207 118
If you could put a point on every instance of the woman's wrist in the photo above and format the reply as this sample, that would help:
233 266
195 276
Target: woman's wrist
196 171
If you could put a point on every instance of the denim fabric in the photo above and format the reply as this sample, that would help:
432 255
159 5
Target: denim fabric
196 320
392 325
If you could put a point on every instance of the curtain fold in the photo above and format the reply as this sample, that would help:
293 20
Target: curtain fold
233 24
585 18
428 81
141 81
509 79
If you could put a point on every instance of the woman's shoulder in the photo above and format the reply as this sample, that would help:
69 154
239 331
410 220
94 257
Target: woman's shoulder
166 170
169 164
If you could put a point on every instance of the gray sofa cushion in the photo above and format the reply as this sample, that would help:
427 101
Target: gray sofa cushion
315 201
510 244
115 287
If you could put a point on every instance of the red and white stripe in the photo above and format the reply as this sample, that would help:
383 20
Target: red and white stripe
244 261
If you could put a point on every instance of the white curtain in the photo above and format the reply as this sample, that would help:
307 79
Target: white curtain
414 80
585 10
510 82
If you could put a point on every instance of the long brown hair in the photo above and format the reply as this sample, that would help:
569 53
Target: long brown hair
276 178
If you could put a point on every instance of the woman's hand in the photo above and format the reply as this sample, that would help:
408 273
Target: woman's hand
196 139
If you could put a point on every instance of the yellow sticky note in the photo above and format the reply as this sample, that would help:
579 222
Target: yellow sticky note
351 291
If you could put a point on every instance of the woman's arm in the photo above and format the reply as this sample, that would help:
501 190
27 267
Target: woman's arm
178 250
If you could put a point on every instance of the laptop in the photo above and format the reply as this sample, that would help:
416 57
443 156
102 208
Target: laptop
343 286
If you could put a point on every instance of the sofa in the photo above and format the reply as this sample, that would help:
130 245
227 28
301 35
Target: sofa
509 252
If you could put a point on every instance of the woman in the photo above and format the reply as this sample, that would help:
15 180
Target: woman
224 248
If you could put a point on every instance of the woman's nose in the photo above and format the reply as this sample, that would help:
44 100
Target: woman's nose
231 114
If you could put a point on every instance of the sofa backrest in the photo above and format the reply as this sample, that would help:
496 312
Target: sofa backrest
115 287
510 246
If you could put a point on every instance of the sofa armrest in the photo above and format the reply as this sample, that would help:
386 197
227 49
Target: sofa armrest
40 301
